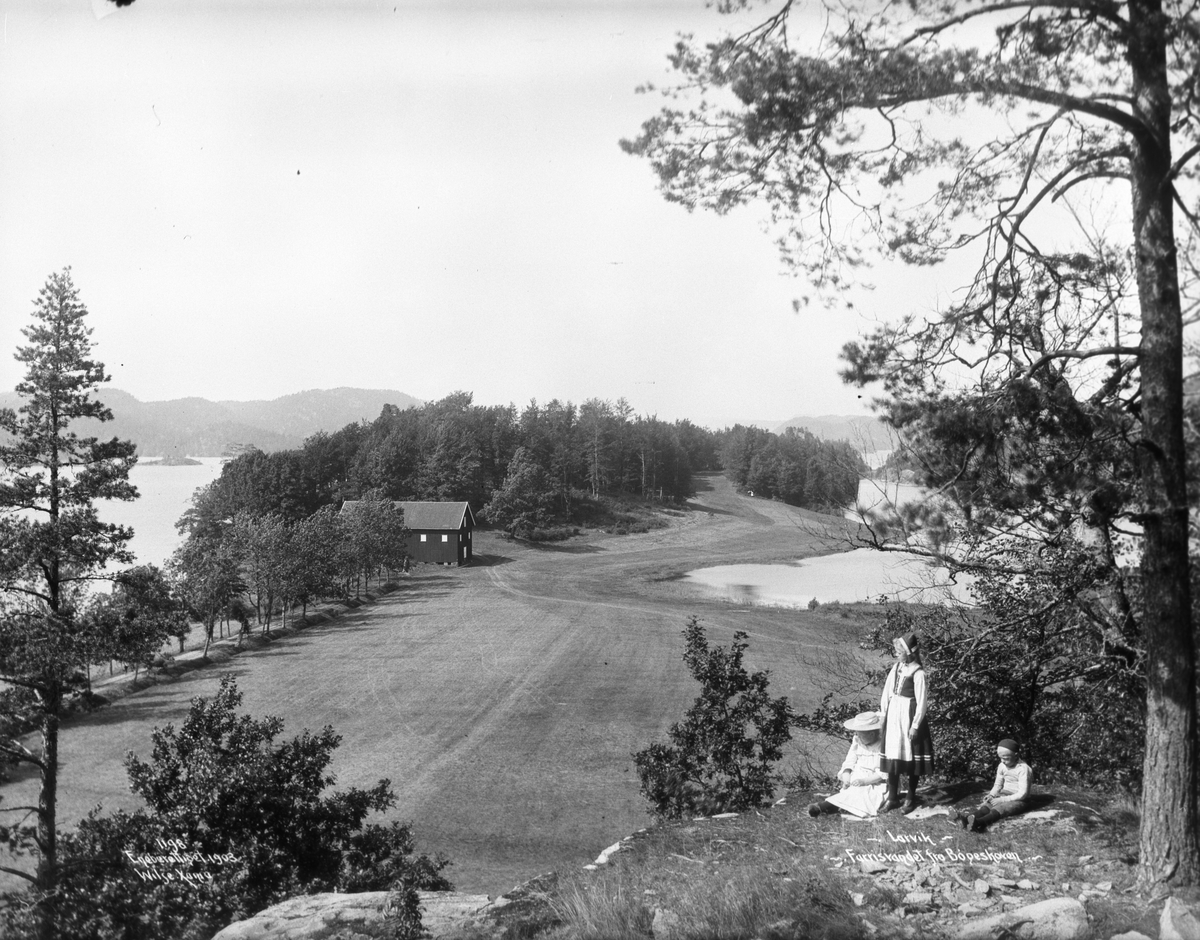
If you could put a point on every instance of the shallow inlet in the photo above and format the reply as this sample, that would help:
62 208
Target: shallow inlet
863 574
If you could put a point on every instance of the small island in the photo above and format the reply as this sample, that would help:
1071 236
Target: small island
171 461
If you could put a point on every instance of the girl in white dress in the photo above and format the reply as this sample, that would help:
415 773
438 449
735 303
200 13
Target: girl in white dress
864 788
907 743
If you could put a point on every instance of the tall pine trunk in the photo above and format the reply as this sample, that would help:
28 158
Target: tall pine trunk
47 816
1170 829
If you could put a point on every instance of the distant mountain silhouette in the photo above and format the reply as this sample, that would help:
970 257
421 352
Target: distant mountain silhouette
197 427
864 432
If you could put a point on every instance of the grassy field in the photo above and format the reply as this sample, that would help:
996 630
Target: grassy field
503 700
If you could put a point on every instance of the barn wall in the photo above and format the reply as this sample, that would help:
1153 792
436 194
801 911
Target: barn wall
434 550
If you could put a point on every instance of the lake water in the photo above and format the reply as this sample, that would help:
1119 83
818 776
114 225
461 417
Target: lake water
862 574
878 494
166 492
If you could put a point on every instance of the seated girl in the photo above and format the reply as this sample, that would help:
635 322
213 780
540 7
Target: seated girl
1009 795
864 788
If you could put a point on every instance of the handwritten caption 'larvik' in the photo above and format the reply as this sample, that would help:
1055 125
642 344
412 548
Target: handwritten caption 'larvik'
176 862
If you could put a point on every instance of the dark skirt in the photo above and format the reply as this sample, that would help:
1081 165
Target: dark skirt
913 759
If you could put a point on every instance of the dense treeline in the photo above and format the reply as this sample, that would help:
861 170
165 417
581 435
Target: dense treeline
558 461
795 467
455 450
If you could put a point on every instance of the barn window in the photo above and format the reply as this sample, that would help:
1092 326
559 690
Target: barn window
422 536
445 538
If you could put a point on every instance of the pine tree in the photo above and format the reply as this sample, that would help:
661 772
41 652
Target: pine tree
52 543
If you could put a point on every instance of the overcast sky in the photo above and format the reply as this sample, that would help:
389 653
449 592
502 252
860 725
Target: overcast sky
262 197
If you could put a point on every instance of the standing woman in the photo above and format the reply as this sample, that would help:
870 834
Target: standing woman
907 745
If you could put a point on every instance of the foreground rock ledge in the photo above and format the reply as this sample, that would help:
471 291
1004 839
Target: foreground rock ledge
1055 919
352 916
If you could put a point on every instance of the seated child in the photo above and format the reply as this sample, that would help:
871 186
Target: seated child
864 788
1009 795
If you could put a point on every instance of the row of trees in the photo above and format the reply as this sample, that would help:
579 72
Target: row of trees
228 569
1055 145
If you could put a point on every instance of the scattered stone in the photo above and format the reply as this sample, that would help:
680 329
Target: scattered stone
1129 935
982 887
1026 885
1084 859
1002 882
1177 922
725 816
664 922
857 898
1055 919
871 867
918 898
1104 886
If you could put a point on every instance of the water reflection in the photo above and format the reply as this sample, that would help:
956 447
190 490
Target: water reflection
859 575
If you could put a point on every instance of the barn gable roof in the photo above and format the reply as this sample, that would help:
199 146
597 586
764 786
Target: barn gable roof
433 515
419 514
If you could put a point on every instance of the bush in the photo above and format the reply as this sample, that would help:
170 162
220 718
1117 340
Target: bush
248 823
552 534
721 756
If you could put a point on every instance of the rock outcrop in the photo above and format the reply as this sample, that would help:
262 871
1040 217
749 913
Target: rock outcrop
353 917
1054 919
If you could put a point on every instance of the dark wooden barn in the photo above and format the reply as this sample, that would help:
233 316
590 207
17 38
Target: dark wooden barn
441 532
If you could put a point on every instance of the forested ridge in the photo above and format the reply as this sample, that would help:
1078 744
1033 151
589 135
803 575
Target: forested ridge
553 463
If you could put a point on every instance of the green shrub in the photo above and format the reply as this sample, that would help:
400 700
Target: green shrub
721 756
552 534
251 825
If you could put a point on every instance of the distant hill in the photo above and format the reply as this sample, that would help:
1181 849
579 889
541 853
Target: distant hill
864 432
197 427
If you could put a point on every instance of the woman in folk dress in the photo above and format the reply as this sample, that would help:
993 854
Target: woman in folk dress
907 744
863 786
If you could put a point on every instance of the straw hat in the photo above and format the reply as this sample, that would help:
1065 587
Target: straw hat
864 721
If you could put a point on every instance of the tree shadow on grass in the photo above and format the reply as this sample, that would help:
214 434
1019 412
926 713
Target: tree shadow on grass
563 548
490 561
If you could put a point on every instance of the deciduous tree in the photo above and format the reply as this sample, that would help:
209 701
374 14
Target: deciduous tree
241 820
525 502
721 756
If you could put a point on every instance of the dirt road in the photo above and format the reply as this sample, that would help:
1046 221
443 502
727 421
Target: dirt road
503 700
